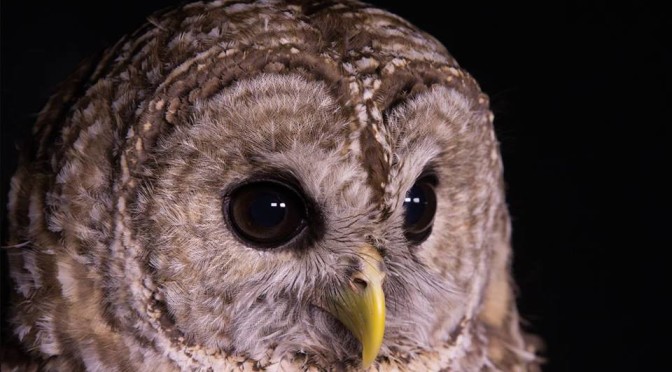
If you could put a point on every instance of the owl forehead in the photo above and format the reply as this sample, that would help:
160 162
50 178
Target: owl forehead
370 61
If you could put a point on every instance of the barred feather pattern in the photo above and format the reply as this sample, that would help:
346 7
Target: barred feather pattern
121 261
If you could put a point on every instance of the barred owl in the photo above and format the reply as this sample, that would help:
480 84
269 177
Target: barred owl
272 185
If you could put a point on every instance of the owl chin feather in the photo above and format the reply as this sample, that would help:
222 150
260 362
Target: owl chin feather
128 255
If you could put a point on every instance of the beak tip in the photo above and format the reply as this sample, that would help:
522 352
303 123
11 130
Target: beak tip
371 346
367 360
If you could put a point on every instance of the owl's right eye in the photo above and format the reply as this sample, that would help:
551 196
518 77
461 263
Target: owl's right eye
265 214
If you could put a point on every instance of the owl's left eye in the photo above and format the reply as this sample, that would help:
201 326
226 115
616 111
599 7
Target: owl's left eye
265 214
419 210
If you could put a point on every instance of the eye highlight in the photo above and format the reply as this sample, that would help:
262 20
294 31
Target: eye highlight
265 214
419 210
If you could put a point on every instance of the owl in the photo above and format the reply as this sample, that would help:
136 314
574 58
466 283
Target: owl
265 185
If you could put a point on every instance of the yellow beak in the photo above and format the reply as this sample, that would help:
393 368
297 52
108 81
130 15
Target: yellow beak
360 305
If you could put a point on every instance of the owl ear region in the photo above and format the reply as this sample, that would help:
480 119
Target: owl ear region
360 304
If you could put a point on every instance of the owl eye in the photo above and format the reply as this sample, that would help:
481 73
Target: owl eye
420 207
265 214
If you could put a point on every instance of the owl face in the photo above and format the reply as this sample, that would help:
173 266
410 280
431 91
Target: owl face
256 214
255 184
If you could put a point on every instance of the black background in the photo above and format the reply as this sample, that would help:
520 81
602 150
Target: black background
582 97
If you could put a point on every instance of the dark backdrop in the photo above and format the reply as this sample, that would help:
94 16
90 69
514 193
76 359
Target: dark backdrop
582 97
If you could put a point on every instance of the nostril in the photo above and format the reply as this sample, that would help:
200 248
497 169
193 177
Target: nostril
360 283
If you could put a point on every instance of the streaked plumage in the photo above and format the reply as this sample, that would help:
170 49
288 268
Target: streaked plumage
124 260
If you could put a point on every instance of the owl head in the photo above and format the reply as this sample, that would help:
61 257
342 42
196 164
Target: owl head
273 183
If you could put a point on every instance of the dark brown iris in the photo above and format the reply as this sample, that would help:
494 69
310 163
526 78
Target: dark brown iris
265 214
420 207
